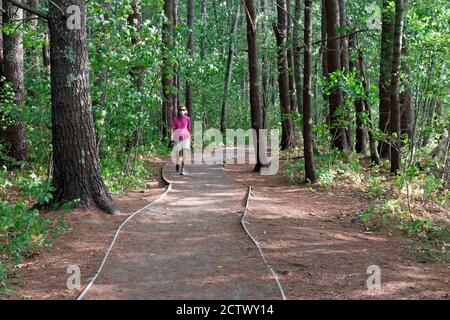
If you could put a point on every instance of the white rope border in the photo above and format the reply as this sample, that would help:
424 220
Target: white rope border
89 285
243 222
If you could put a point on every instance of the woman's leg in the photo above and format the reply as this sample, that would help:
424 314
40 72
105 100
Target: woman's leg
183 159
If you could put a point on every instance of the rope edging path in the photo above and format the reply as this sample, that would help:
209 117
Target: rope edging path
89 285
243 223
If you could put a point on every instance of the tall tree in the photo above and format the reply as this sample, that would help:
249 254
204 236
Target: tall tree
395 123
296 34
287 130
360 134
323 50
250 14
167 67
229 68
345 66
1 39
374 156
307 81
76 164
406 106
12 130
387 34
31 53
337 129
175 76
190 48
136 71
290 58
265 70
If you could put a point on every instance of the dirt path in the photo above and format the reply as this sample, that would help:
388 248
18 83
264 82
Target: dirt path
189 245
311 241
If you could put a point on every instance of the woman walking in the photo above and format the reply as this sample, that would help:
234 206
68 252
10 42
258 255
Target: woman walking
181 136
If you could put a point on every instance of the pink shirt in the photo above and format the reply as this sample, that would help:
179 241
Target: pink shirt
182 127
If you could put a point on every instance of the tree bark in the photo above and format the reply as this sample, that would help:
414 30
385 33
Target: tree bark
307 78
76 164
46 53
290 58
395 125
297 55
337 131
345 65
387 34
323 51
406 106
12 130
375 158
360 140
32 54
1 41
287 130
250 14
265 72
190 47
229 68
167 68
136 71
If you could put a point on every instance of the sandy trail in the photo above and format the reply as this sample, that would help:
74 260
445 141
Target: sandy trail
189 245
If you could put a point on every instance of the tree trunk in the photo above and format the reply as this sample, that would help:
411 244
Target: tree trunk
345 65
290 59
287 130
46 53
176 78
229 68
32 54
375 158
395 125
253 75
387 33
337 130
137 71
12 130
190 47
406 106
1 41
360 143
307 81
76 164
323 50
265 72
167 68
297 55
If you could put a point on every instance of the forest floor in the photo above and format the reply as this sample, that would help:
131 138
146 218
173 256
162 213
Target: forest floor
190 245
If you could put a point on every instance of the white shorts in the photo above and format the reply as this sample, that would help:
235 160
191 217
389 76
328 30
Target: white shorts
183 144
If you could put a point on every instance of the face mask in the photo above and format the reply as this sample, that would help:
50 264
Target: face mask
182 113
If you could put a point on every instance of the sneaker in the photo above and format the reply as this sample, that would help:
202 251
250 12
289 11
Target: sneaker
177 167
182 172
